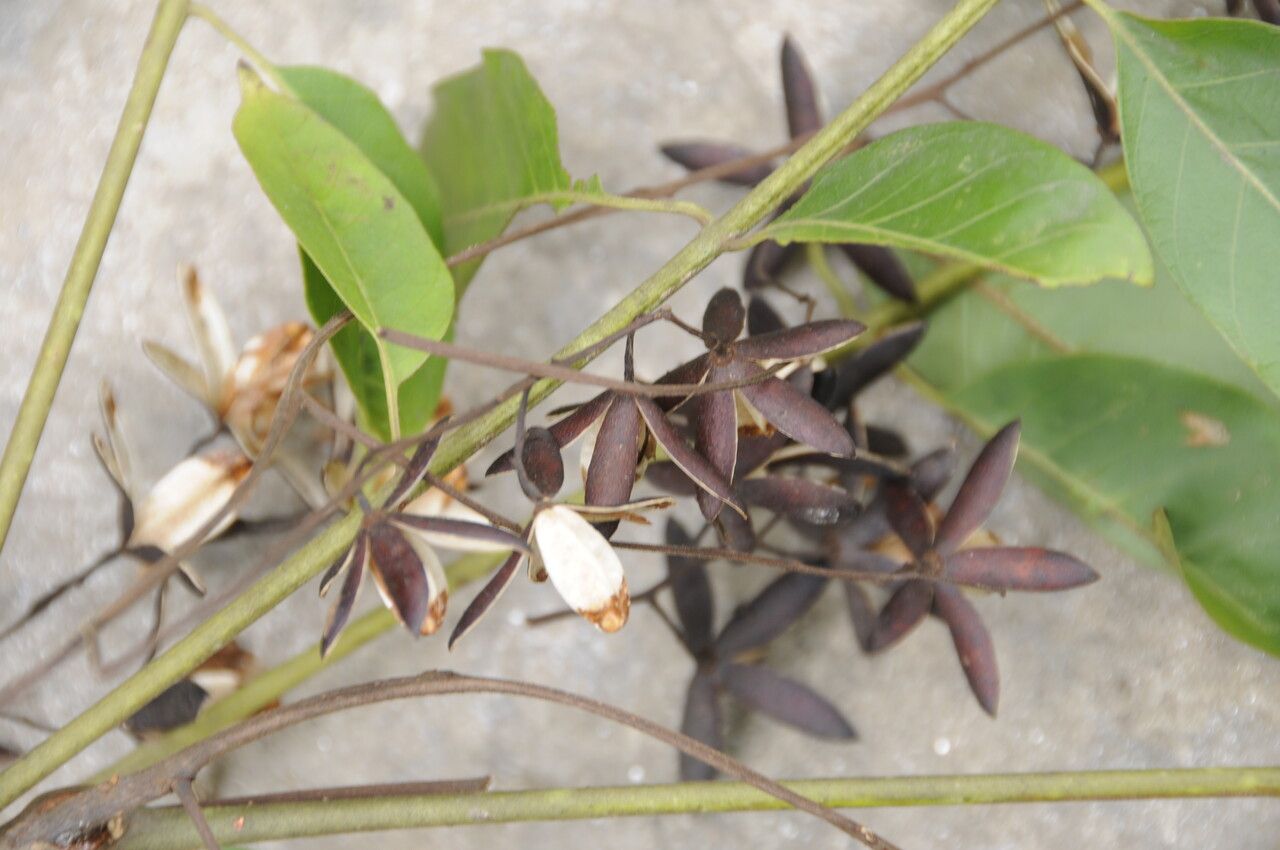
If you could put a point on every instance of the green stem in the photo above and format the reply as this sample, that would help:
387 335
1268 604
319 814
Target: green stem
306 563
52 359
697 212
270 685
170 829
265 65
816 255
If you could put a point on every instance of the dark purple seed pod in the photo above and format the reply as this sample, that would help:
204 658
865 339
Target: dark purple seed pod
691 591
931 473
883 268
770 613
799 91
541 462
786 701
702 723
981 488
908 605
973 644
724 317
761 317
765 262
1022 568
176 706
697 155
400 574
909 517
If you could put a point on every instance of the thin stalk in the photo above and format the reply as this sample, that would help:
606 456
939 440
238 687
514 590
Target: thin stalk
312 558
52 359
169 828
265 65
816 254
631 203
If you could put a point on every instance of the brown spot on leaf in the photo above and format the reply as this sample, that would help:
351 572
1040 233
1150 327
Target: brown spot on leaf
388 202
1203 430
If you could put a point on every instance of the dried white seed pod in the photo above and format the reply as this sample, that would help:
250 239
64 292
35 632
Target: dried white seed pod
583 567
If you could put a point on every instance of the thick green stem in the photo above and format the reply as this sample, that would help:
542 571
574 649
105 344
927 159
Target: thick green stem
170 829
679 270
52 359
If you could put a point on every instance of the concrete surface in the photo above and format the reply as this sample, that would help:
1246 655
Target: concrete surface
1126 674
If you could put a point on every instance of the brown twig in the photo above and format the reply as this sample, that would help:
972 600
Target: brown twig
431 787
94 806
786 565
187 797
937 91
564 374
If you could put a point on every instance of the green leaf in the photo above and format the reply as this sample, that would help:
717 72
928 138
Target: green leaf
1200 116
491 143
1124 438
975 192
351 220
1001 320
357 353
999 323
358 114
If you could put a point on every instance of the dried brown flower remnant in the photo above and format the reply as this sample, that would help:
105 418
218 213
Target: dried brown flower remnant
241 390
395 545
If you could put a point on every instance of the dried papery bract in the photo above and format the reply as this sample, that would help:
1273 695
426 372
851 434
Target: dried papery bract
1106 113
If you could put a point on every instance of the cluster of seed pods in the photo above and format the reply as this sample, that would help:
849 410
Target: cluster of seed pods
771 441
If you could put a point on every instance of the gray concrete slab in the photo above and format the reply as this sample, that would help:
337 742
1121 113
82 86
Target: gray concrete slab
1128 673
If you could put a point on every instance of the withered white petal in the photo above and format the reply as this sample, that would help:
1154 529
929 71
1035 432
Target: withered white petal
583 567
626 511
113 451
183 373
437 586
186 498
209 329
436 503
748 416
588 448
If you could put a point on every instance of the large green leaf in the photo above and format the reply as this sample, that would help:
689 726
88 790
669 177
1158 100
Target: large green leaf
1001 320
490 143
976 192
358 114
351 220
1200 115
1123 438
994 328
